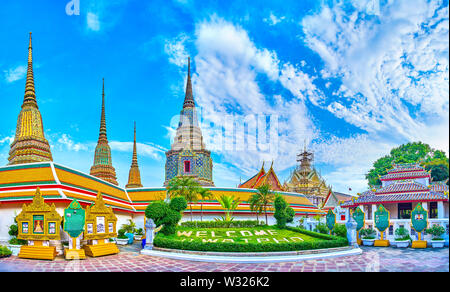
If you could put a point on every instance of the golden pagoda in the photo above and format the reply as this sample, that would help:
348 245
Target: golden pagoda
102 167
29 144
305 179
134 176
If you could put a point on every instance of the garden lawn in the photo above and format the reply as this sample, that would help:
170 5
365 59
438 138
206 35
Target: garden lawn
249 239
239 235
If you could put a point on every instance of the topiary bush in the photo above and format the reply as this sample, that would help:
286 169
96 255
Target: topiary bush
283 213
166 214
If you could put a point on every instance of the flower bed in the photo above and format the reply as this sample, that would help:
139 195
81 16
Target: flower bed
250 239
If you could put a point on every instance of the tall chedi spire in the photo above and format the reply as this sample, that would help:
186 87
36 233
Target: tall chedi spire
29 144
134 176
102 167
188 155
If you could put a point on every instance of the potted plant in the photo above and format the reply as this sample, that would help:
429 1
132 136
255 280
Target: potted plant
402 238
122 239
15 244
436 232
138 234
368 236
5 251
129 230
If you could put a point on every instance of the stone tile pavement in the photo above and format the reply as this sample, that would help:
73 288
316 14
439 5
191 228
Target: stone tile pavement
129 260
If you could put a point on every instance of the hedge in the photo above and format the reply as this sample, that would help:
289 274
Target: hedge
328 241
222 224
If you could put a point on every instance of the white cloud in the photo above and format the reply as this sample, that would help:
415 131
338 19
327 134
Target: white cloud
93 21
393 67
148 150
175 49
15 74
6 140
273 19
66 142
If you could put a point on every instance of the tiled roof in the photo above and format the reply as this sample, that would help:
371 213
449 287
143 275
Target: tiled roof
405 175
401 187
407 167
377 199
439 187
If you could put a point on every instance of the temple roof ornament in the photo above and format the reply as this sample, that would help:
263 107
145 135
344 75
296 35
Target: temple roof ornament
134 176
102 167
262 178
29 144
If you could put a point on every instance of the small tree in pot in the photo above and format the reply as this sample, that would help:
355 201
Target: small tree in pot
436 232
368 236
402 238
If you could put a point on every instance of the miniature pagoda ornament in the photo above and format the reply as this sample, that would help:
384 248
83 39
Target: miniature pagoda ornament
100 227
38 224
419 221
74 220
29 143
382 223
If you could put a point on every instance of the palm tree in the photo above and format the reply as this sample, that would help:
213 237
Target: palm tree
266 196
229 203
204 194
185 187
255 205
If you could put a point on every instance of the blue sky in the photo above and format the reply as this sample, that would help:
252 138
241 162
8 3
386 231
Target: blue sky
351 78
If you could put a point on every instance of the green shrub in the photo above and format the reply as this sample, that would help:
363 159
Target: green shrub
402 233
121 234
130 227
367 233
222 224
436 231
166 214
283 213
4 251
322 228
340 230
16 241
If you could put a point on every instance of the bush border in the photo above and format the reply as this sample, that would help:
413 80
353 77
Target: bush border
326 241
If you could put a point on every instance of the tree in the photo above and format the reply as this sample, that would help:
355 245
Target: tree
185 187
255 205
166 214
266 197
415 152
203 194
229 203
283 213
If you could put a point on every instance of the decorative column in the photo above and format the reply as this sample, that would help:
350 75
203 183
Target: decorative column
440 210
149 234
351 231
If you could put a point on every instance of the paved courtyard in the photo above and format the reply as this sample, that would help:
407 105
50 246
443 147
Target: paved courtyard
129 260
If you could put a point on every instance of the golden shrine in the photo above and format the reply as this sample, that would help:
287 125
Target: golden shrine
38 224
100 227
306 180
